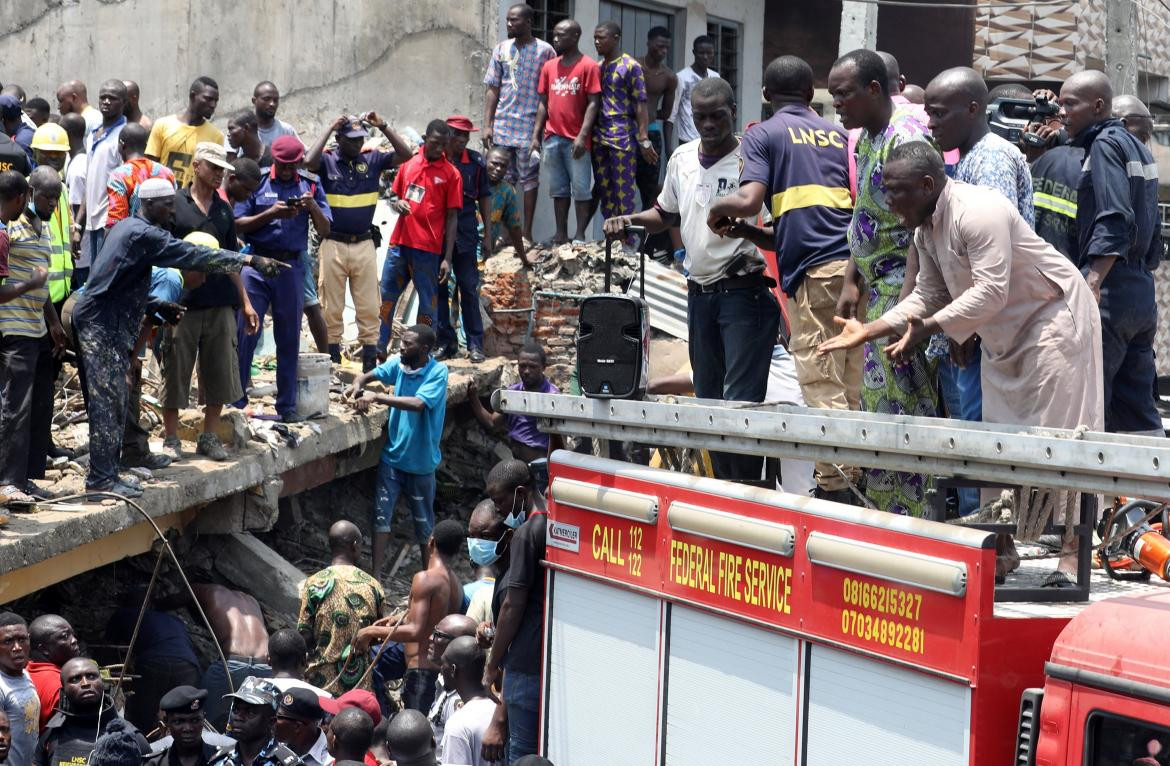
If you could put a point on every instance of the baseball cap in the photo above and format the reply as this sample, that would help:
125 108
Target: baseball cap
256 691
301 704
202 238
353 129
9 106
459 122
358 698
288 150
216 154
50 137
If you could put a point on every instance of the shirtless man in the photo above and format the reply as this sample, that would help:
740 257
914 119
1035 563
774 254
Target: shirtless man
238 625
661 82
435 593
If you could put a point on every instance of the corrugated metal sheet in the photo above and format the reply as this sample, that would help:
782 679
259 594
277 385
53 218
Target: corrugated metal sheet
666 292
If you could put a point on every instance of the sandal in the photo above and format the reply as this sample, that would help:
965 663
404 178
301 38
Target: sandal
40 493
1058 579
10 493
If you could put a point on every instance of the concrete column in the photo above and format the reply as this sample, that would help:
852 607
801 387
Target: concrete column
858 26
1120 46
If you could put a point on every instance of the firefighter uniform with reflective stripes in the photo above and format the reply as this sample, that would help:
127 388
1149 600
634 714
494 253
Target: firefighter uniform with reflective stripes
1117 215
1055 177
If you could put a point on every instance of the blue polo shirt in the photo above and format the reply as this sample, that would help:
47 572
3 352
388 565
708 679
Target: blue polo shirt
283 234
803 164
475 185
351 188
412 438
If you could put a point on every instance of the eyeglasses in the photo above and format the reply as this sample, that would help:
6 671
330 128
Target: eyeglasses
436 633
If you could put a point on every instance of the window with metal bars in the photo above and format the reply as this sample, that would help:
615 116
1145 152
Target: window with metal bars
547 14
728 37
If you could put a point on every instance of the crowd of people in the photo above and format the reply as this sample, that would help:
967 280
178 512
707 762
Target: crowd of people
925 264
316 694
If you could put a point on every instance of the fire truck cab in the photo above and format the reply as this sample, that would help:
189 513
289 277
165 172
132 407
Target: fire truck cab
1106 695
694 621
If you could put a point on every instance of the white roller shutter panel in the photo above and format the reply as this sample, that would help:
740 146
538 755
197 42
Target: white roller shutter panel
603 675
862 710
725 676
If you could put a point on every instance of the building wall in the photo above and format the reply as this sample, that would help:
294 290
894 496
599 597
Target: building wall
411 61
1048 44
902 30
809 29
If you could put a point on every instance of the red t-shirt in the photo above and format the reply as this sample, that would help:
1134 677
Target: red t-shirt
46 677
431 188
568 89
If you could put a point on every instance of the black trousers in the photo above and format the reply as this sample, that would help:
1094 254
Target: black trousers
26 412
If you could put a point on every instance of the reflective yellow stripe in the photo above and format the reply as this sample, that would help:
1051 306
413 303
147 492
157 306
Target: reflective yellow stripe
352 200
1055 204
810 195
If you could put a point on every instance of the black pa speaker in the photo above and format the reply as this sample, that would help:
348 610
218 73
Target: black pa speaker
613 345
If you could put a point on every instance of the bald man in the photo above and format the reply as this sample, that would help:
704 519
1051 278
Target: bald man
132 111
1135 116
983 270
73 98
410 739
956 109
1119 235
336 603
449 629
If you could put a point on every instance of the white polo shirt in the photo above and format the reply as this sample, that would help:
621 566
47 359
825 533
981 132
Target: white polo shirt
689 191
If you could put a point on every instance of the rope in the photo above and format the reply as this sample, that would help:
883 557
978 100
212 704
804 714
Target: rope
373 662
138 623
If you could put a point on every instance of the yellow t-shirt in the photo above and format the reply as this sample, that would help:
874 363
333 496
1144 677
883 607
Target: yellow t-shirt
174 142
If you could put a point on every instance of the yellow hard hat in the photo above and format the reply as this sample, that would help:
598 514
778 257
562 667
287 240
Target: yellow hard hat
202 238
50 137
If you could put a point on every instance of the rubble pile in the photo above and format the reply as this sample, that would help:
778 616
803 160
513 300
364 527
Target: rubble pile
542 304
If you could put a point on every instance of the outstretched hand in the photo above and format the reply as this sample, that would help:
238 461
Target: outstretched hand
916 332
853 333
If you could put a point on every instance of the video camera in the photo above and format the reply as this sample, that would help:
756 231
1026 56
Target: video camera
1009 118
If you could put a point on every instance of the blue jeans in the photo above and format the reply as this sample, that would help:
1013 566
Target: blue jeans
962 391
284 293
566 176
215 682
310 290
465 264
417 489
407 264
1129 322
522 693
732 334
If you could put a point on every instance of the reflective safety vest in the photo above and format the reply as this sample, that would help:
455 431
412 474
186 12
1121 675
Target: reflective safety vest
61 262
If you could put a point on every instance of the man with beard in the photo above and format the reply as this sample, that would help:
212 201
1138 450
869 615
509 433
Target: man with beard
52 643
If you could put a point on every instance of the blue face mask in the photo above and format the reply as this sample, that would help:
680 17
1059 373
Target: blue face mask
483 552
515 518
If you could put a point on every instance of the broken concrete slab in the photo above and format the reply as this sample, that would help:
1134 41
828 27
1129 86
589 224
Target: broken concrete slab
39 549
246 561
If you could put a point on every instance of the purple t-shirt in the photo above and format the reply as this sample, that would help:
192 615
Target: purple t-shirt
623 87
523 428
800 159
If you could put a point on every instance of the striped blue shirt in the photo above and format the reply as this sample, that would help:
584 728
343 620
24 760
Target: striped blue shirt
27 249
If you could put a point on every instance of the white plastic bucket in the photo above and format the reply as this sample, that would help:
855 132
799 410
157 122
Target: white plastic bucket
313 385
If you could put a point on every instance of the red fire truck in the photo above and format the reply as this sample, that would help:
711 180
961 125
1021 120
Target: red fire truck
695 621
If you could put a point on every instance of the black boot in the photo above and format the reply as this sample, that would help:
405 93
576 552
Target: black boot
335 353
369 358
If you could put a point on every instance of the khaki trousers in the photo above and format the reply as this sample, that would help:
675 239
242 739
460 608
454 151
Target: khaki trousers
356 263
832 381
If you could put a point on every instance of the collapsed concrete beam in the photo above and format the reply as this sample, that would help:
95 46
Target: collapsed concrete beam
255 568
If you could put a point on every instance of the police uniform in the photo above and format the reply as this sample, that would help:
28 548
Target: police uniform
184 699
257 691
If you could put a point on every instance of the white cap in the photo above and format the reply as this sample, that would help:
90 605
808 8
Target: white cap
152 188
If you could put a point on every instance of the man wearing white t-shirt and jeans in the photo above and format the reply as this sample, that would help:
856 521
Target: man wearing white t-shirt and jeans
462 743
732 316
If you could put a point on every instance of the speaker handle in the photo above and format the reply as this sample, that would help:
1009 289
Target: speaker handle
639 232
